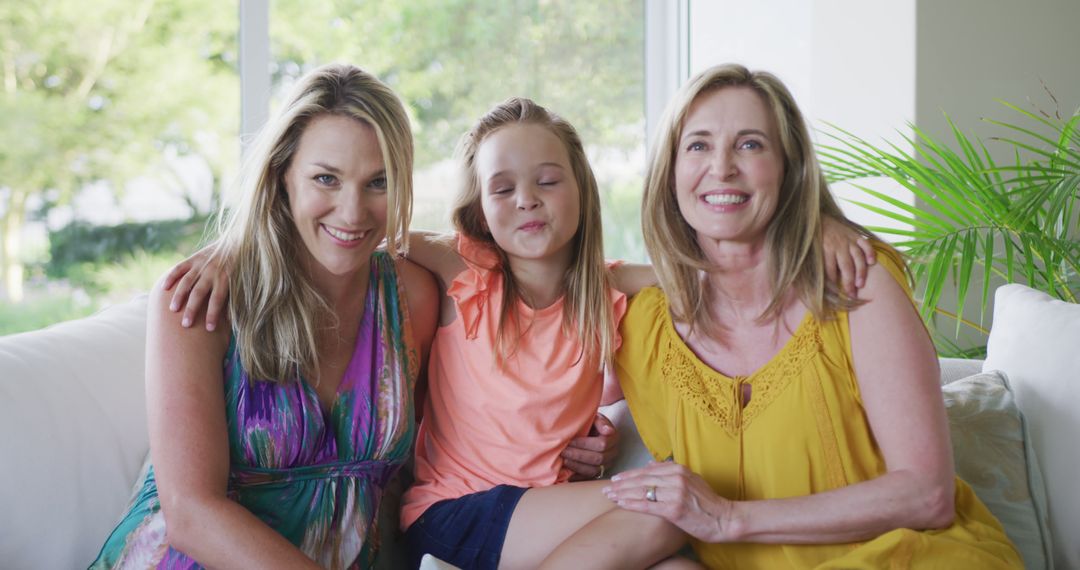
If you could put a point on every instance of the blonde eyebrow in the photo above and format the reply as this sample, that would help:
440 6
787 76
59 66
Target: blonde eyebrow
707 133
502 172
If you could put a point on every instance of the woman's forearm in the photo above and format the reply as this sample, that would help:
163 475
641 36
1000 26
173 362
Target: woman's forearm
218 532
857 512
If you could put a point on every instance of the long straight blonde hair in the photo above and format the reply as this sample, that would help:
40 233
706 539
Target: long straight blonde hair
276 311
587 310
793 237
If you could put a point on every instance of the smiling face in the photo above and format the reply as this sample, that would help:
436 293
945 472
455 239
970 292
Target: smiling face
729 166
336 184
529 194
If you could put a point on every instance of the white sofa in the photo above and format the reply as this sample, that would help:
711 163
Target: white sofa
74 425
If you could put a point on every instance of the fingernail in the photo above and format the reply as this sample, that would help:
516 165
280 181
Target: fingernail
172 306
606 490
616 477
185 322
210 327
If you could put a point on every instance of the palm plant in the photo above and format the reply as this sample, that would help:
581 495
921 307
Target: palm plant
977 219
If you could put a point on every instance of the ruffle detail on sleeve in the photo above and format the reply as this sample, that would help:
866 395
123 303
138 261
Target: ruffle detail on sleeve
618 304
472 288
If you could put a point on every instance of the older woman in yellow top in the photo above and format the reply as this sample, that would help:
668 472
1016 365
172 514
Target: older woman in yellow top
805 428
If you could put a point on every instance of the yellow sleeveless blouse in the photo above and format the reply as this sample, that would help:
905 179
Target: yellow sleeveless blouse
804 431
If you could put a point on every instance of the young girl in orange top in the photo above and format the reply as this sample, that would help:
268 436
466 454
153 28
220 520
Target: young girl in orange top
528 321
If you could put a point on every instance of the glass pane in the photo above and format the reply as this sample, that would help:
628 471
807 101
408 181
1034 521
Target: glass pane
451 61
119 126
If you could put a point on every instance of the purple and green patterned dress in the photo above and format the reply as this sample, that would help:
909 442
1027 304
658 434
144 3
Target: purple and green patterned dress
315 478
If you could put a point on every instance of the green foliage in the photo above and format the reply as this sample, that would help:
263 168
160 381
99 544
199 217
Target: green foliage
135 273
96 93
110 92
89 286
79 244
41 311
452 60
622 221
978 219
107 93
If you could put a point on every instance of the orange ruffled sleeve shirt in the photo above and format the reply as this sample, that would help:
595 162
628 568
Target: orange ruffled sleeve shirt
486 425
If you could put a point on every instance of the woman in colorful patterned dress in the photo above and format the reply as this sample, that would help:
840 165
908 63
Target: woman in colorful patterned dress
804 428
271 439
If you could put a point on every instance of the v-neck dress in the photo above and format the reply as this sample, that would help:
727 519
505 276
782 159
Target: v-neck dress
803 431
314 476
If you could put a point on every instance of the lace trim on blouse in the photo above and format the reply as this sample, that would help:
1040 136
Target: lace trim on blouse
719 397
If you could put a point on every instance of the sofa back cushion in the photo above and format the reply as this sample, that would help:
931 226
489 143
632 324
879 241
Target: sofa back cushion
992 453
73 415
1035 340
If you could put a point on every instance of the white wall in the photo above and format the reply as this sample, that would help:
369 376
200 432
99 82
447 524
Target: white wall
873 67
846 62
972 52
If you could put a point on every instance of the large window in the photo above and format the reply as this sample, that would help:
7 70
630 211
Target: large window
451 61
120 122
114 117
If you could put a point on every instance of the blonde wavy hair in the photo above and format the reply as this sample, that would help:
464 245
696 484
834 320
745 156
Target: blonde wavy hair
794 238
587 307
275 310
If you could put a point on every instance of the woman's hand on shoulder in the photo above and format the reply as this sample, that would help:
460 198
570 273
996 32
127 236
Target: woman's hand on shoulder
848 255
201 278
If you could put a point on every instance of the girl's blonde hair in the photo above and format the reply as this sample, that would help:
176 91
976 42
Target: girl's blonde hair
793 237
587 311
276 311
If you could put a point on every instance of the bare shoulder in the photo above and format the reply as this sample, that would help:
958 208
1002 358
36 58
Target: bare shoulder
887 329
416 279
163 325
882 288
633 277
421 294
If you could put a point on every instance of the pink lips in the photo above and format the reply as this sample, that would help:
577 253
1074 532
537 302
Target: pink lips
532 226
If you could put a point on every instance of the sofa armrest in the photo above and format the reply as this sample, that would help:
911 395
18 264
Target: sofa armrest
73 415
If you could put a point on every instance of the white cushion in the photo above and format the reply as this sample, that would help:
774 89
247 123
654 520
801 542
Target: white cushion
992 452
1035 340
73 420
953 369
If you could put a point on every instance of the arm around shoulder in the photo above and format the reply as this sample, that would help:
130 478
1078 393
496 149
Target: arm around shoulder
436 253
633 277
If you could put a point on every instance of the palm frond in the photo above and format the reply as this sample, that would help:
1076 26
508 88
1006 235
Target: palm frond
975 219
